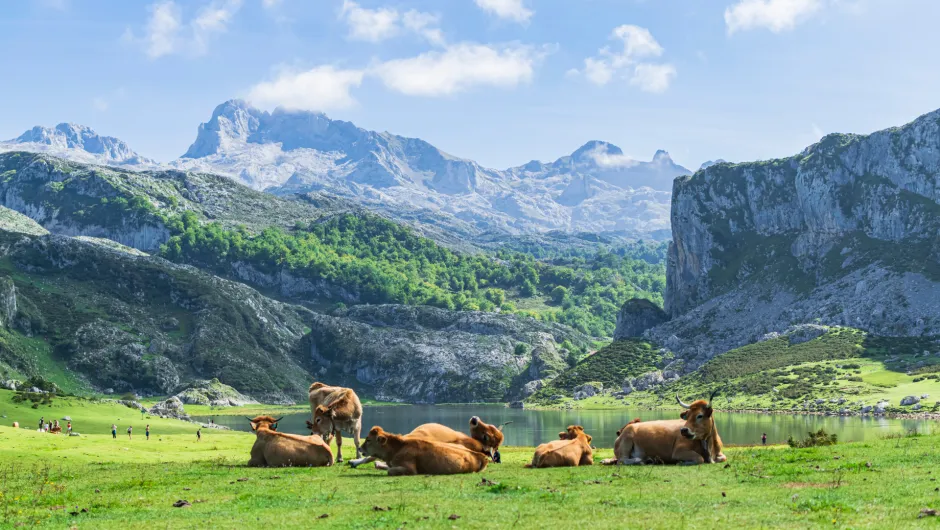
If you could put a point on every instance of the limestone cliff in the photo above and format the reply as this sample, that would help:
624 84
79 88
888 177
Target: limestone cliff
844 233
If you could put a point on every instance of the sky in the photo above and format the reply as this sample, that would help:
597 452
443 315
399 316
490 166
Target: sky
501 82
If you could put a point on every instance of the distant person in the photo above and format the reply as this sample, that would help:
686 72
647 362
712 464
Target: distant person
114 431
130 430
69 428
55 424
42 422
147 431
763 439
199 434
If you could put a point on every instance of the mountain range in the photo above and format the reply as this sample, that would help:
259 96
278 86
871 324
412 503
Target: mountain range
597 188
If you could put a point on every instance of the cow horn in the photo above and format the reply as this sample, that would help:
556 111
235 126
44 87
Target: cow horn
252 420
681 403
711 397
279 419
503 425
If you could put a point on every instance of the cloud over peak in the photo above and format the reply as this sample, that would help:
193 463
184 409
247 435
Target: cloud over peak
513 10
775 15
637 44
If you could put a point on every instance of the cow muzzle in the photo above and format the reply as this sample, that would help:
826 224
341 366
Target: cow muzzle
687 433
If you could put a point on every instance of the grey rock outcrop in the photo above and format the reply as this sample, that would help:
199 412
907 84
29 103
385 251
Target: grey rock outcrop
213 393
649 380
588 390
910 400
171 408
842 234
636 316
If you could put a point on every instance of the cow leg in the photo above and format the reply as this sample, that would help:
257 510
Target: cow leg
587 459
381 466
398 471
720 458
688 458
632 462
356 434
359 461
339 447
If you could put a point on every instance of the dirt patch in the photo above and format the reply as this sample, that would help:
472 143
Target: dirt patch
800 485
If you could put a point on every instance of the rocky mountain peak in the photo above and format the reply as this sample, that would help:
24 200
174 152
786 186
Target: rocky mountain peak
66 137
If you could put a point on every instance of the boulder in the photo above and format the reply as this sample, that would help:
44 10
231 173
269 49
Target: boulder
516 405
588 390
916 406
530 388
171 408
11 384
867 408
645 381
924 396
910 400
132 404
213 392
636 316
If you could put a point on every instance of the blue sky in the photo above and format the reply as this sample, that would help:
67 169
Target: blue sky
498 81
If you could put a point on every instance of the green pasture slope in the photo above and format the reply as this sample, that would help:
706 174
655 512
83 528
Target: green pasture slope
92 481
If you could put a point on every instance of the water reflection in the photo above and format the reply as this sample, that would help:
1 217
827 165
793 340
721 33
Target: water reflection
532 427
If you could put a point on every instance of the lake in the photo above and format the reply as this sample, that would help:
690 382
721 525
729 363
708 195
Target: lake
533 427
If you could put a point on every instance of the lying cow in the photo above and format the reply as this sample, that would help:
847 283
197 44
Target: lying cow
278 449
484 438
414 456
688 441
572 449
336 411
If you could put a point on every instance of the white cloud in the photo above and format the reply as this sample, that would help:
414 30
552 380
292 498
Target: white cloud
606 159
269 4
322 89
166 33
653 77
100 104
513 10
775 15
377 25
460 67
637 44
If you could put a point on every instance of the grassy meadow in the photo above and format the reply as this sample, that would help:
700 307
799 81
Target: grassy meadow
92 481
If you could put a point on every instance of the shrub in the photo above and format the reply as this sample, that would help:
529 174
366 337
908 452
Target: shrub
815 439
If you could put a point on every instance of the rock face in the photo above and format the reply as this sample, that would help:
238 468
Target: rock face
588 390
213 393
910 400
636 316
843 233
7 301
171 408
77 142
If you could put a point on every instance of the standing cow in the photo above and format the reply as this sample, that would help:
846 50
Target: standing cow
336 411
278 449
688 441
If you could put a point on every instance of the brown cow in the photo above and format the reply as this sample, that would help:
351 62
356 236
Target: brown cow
336 411
412 456
484 438
573 449
689 441
278 449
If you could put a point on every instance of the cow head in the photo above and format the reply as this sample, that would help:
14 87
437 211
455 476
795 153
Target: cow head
699 423
376 443
572 433
322 423
490 436
266 422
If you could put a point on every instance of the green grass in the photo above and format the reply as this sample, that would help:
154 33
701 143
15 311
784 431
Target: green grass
133 483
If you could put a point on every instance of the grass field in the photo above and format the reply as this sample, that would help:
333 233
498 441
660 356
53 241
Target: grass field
47 481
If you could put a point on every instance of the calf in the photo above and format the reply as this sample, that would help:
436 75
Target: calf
413 456
277 449
572 449
336 411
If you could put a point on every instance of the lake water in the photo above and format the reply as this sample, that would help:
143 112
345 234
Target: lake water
532 427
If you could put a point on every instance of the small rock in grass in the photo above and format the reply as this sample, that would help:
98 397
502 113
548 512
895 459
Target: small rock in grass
928 512
243 479
324 516
454 517
381 509
187 489
181 504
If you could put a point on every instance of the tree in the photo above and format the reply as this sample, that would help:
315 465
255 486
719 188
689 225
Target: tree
559 294
527 289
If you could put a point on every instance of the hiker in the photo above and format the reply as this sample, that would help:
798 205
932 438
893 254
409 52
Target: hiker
69 428
763 439
199 434
42 422
130 430
114 431
147 431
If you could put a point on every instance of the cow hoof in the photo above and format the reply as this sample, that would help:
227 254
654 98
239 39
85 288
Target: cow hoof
339 460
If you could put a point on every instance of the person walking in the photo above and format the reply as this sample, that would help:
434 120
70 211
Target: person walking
130 429
763 439
69 428
114 431
147 431
42 422
199 434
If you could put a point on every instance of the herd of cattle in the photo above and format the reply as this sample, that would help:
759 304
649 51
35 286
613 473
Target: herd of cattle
435 449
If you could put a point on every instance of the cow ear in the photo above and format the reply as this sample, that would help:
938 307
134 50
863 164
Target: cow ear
382 439
254 426
683 415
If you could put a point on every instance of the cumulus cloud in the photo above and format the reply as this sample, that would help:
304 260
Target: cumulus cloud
653 77
460 67
513 10
166 33
605 159
636 44
322 89
377 25
775 15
